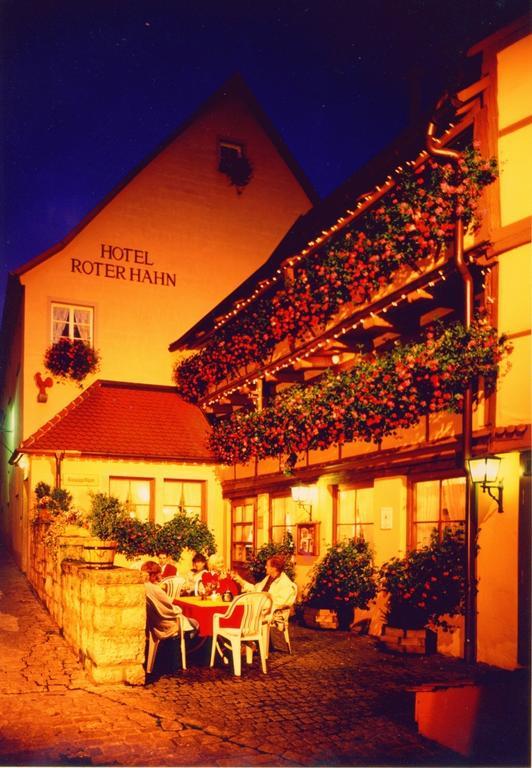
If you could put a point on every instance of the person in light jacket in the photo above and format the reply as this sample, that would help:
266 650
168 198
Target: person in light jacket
282 589
161 613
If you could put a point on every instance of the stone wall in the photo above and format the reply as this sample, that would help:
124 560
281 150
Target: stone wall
101 612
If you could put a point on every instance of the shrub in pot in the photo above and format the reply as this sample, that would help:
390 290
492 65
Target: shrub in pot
343 580
426 585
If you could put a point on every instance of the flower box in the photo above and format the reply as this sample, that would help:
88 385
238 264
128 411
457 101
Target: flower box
416 641
320 618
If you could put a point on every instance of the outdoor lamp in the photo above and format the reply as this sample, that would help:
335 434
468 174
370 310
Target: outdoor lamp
305 496
484 472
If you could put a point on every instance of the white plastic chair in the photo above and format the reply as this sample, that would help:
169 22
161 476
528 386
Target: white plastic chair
257 608
280 619
173 585
153 641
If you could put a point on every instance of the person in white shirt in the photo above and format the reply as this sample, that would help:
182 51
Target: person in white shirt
282 590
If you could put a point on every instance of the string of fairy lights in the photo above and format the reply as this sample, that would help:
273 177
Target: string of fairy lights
335 333
363 202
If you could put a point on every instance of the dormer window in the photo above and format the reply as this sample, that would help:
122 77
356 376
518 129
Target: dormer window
234 163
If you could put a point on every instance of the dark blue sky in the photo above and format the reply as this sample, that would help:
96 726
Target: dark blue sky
91 87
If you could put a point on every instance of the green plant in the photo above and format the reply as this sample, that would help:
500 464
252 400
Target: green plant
109 519
54 507
345 576
71 359
257 561
51 500
427 584
184 532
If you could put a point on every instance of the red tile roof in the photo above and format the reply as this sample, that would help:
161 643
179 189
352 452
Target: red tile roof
117 419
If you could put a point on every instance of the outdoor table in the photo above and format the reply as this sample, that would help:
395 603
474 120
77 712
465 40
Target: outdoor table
203 611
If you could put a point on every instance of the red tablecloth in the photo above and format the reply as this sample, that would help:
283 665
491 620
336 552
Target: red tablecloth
204 610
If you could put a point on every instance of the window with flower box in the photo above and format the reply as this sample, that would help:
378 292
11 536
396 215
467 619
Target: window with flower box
136 494
72 322
353 513
282 518
437 504
184 495
243 526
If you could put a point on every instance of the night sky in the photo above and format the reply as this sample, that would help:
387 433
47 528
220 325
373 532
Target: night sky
92 87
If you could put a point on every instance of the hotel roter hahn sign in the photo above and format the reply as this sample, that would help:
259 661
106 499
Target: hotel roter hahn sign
119 263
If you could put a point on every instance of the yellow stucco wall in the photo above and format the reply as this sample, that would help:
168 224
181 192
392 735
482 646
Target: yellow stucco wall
82 476
497 571
180 218
514 102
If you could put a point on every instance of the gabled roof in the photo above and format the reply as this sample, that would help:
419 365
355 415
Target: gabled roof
234 86
122 420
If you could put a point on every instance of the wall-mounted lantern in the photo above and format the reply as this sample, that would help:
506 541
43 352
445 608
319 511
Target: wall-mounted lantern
485 472
305 496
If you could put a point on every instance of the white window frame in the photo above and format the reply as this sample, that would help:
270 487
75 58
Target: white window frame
71 308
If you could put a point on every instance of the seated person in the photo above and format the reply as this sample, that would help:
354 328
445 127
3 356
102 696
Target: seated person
282 590
161 622
168 567
199 567
217 578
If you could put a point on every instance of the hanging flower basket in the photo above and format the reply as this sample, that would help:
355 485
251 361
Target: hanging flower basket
71 359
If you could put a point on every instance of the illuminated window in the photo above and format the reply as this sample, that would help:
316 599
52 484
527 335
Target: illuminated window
354 514
136 494
283 510
438 504
184 495
242 530
72 322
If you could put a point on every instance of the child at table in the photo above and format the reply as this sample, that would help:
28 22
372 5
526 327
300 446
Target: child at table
199 567
218 579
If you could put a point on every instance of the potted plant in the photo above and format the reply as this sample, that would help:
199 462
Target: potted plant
104 518
257 562
423 589
342 581
54 511
110 521
71 359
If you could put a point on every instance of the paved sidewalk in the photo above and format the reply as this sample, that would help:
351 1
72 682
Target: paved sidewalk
337 701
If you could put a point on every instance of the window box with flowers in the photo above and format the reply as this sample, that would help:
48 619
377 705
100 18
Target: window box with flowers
342 581
424 590
71 360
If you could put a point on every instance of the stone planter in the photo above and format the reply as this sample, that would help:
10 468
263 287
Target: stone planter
416 641
328 618
98 553
320 618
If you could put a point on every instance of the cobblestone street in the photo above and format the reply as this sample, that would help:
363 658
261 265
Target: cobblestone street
336 701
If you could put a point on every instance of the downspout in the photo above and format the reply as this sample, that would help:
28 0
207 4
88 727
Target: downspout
471 514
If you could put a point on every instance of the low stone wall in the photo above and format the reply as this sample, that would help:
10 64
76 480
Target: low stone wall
101 612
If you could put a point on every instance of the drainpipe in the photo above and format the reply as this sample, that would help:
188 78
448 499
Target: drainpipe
471 512
59 456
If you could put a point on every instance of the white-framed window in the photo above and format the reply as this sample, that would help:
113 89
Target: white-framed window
354 514
243 512
70 321
185 495
437 504
282 518
135 493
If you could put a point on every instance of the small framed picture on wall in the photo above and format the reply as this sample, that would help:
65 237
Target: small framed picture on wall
307 539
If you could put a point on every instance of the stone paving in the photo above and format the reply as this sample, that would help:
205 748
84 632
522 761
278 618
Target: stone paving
337 701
